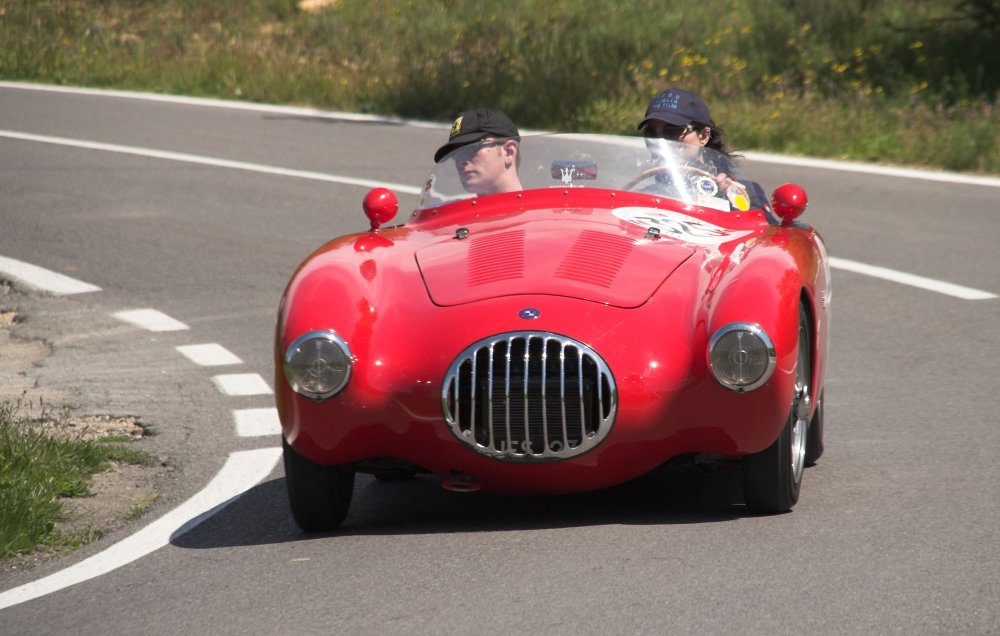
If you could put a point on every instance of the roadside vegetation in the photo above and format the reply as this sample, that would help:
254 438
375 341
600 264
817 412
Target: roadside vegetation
901 81
38 470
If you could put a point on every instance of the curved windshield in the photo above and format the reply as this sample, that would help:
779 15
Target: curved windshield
669 169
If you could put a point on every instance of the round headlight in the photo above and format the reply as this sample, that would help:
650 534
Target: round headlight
318 364
741 356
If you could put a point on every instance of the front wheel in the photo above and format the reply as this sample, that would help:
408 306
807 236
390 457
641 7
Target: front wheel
814 440
319 495
772 477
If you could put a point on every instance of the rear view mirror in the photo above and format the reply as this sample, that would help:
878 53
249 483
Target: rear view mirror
568 171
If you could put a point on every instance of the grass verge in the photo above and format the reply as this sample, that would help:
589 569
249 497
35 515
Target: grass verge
900 81
38 470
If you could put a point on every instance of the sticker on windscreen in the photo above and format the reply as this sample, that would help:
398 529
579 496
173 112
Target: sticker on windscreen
678 226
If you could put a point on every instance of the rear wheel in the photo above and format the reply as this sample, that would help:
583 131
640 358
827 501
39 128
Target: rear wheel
772 477
319 495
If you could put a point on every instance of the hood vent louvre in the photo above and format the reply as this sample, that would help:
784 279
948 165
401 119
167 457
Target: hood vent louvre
591 247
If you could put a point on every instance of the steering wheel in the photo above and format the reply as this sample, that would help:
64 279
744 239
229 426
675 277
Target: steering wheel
657 170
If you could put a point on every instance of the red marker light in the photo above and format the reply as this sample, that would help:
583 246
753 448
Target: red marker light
789 201
380 206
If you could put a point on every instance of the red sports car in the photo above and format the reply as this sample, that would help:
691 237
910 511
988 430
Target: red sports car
624 309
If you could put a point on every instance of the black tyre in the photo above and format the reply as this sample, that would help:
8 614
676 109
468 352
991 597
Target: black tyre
814 440
319 495
772 478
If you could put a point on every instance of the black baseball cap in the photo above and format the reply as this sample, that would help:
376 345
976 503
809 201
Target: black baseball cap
473 125
678 107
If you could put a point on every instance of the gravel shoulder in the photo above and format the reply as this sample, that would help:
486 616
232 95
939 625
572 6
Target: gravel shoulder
119 495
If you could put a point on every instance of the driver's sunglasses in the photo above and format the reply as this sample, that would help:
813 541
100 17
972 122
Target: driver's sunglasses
667 131
468 151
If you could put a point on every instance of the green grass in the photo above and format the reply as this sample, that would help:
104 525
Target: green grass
36 470
903 81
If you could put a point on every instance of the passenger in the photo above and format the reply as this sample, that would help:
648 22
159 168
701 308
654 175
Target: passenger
680 115
485 145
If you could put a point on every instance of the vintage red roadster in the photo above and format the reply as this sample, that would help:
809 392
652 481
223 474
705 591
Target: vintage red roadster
620 311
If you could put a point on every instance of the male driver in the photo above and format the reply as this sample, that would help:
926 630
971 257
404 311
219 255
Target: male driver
485 146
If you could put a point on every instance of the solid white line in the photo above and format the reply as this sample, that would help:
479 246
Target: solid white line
805 162
257 422
242 384
150 319
941 287
44 279
228 104
209 355
871 168
241 472
207 161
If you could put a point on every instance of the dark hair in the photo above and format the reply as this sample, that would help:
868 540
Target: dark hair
715 138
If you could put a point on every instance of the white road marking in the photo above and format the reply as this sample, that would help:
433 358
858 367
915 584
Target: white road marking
764 157
941 287
241 472
227 104
209 355
871 168
242 384
44 279
207 161
257 422
150 319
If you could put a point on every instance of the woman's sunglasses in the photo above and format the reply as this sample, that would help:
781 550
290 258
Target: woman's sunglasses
667 131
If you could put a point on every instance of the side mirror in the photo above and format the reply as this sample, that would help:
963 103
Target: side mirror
380 206
789 201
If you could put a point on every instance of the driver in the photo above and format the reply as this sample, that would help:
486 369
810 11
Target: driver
485 145
679 115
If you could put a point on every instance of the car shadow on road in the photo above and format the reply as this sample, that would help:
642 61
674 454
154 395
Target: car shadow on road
420 506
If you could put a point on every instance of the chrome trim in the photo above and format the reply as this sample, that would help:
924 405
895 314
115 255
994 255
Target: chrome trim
509 417
754 330
330 336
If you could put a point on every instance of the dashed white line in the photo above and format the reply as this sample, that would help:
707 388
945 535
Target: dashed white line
209 355
941 287
150 319
44 279
242 384
241 471
257 422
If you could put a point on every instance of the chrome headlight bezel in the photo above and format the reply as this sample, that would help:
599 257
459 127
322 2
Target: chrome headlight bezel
330 355
731 373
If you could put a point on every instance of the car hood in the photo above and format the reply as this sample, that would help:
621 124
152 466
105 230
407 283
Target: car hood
591 261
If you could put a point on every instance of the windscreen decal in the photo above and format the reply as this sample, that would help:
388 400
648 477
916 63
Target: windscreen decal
679 226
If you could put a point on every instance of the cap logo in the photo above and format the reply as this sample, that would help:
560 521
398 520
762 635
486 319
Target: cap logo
668 101
455 128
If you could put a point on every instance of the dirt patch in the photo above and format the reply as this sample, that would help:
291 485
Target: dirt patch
119 495
315 6
92 427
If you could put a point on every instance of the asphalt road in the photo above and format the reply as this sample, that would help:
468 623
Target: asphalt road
897 529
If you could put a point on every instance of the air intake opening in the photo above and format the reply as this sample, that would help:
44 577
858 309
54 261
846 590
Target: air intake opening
529 396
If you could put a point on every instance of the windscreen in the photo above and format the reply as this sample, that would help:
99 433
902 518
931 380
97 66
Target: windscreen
684 172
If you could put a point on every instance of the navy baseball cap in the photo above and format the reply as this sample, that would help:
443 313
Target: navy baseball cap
473 125
678 107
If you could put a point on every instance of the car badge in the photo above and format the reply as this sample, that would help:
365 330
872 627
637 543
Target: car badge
707 186
529 313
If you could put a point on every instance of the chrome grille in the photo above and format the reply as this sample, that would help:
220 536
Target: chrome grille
529 396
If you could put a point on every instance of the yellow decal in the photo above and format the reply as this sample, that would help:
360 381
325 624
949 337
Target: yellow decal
738 196
457 126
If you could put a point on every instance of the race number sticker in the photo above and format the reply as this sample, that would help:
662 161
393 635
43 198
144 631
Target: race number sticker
679 226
